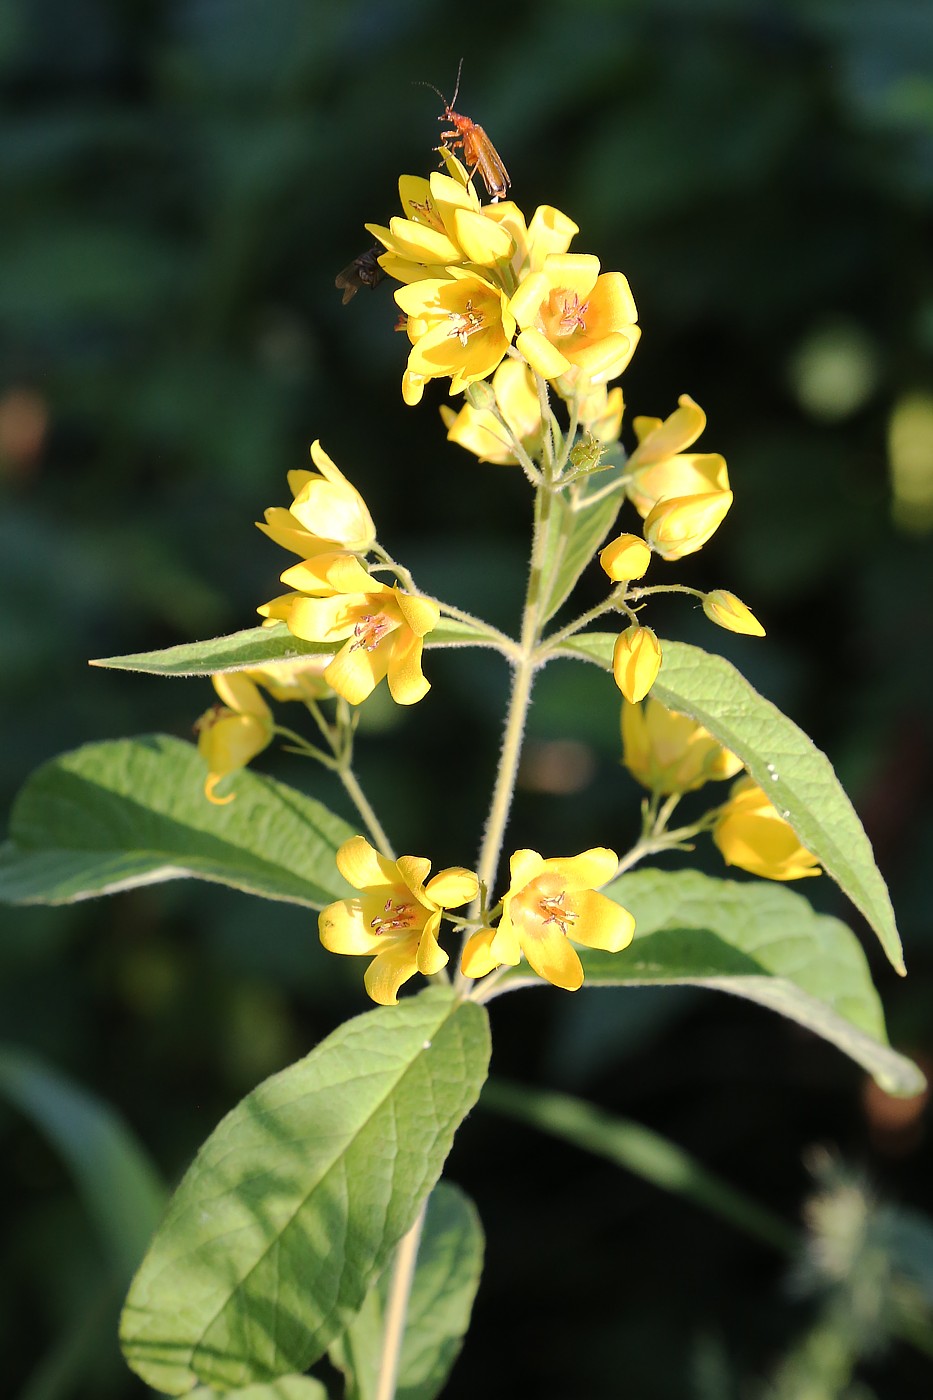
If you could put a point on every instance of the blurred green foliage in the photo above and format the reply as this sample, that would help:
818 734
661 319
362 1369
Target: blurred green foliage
182 180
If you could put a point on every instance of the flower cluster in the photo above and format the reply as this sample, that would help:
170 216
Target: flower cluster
397 916
376 629
479 282
671 754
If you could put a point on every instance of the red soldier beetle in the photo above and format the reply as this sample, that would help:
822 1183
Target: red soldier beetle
479 154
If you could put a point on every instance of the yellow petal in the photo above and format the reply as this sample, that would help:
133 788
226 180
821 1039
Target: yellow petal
363 867
602 923
431 956
525 303
452 887
534 346
391 969
421 614
587 871
553 958
483 242
355 671
524 866
682 525
478 957
240 694
414 870
342 928
407 683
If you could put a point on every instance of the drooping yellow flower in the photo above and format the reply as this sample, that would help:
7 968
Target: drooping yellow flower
625 558
571 314
636 661
680 525
300 679
751 834
599 409
382 627
460 326
730 612
396 920
231 734
550 902
667 752
327 513
479 430
660 468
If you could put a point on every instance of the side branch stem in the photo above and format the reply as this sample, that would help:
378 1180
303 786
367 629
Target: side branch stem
363 805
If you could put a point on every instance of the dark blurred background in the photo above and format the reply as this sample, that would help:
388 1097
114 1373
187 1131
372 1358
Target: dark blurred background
181 181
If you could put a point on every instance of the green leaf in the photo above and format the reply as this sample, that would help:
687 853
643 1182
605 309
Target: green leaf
761 941
793 772
450 1262
259 646
107 817
297 1200
285 1388
117 1182
574 532
256 646
639 1150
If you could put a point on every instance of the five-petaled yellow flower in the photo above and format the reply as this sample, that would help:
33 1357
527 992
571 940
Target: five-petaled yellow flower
571 314
751 834
459 325
550 902
327 514
667 752
396 919
381 626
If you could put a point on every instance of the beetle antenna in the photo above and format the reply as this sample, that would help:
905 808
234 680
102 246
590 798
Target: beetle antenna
416 82
457 88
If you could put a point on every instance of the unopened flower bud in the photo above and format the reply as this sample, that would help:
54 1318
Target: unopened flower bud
728 611
636 661
625 558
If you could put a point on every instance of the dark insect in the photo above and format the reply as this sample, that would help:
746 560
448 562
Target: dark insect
363 271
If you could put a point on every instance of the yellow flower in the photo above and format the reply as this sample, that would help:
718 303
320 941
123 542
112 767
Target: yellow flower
752 835
444 227
680 525
570 314
231 734
625 558
729 611
548 903
550 231
301 679
667 752
598 409
459 326
327 513
479 430
636 661
382 627
660 468
396 919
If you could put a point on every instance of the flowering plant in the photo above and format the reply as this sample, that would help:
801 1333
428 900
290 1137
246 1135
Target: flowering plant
313 1219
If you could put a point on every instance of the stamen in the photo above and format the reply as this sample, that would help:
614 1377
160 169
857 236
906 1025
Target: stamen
369 631
401 918
573 315
466 323
552 906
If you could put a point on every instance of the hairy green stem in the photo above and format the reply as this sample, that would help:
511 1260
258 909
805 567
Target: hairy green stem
364 807
403 1273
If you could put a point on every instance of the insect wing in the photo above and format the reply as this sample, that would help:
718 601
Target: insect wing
486 159
363 271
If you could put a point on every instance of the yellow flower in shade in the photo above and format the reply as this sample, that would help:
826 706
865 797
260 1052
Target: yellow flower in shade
231 734
680 525
625 558
395 922
752 835
301 679
550 902
570 314
730 612
636 661
479 430
382 627
659 467
459 326
327 513
598 409
667 752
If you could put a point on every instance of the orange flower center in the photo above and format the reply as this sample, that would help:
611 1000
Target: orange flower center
543 901
571 313
465 323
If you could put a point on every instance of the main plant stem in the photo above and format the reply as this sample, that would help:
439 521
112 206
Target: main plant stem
527 662
403 1273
